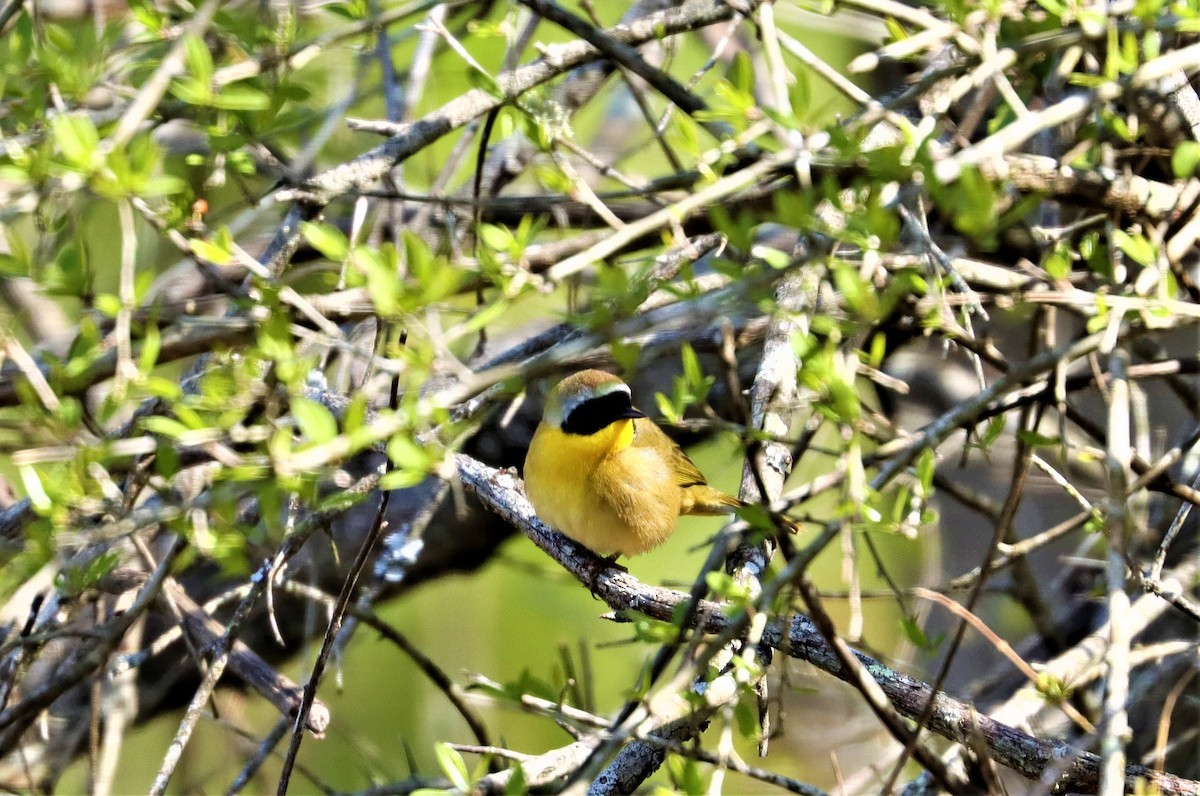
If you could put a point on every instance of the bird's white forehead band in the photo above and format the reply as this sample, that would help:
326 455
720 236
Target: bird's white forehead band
602 390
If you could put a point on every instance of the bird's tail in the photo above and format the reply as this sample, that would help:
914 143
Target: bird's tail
709 501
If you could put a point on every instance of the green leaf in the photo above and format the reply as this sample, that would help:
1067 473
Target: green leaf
723 585
161 185
1053 688
1058 262
896 31
1185 158
167 461
190 417
207 250
108 304
666 408
16 262
916 634
76 137
652 631
486 316
1036 440
741 73
1137 247
926 469
383 282
164 426
417 254
452 765
353 10
758 516
240 97
147 15
860 297
995 428
408 454
691 366
747 719
193 92
198 59
685 773
516 782
773 257
70 414
151 346
35 490
315 420
1054 7
625 354
485 82
327 239
355 416
496 237
72 580
69 274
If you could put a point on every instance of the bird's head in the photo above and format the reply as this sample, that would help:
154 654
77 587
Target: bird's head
587 402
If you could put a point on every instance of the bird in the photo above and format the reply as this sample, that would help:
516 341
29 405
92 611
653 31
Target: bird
604 474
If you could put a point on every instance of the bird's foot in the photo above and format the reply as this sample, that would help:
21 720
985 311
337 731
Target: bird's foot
594 577
612 562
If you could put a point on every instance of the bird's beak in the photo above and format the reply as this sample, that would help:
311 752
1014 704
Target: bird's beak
631 414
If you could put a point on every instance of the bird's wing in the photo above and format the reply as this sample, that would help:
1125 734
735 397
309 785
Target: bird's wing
649 435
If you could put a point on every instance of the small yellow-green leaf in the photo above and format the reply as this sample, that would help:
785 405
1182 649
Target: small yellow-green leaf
452 765
151 345
995 428
666 408
407 454
77 139
1036 440
34 489
486 316
327 239
316 422
198 59
401 479
1057 263
496 237
383 285
926 467
164 426
917 635
723 585
108 304
516 783
1136 247
209 251
240 97
1185 158
162 388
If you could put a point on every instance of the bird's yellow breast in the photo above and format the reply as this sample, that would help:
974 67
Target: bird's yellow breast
601 489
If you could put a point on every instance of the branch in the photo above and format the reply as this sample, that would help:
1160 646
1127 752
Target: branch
84 659
365 170
1078 771
620 52
206 634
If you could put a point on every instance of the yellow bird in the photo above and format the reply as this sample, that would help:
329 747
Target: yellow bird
605 475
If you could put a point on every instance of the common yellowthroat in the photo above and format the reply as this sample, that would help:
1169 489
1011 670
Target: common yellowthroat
605 475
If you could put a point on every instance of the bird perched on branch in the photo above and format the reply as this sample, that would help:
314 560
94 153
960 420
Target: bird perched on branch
606 475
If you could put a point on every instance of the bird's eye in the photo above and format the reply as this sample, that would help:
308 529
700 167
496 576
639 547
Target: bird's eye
596 413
